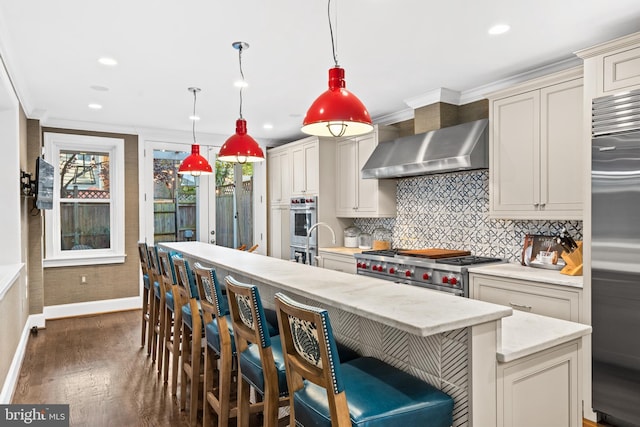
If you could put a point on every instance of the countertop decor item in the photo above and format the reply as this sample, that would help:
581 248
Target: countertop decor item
194 164
241 147
364 241
381 239
337 112
351 237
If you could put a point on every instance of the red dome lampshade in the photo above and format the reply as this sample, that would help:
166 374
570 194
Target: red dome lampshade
337 112
241 147
195 164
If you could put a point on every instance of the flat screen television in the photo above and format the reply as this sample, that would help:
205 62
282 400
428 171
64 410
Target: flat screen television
44 184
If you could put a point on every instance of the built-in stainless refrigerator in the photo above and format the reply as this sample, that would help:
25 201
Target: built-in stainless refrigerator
615 262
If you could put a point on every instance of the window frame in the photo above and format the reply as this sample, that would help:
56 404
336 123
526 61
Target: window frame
54 256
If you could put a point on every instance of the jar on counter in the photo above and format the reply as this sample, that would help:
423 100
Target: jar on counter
351 237
381 239
364 241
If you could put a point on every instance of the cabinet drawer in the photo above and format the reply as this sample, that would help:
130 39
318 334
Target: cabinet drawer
537 298
621 70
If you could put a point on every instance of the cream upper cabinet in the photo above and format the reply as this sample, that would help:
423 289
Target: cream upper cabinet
278 167
536 149
357 197
615 65
305 167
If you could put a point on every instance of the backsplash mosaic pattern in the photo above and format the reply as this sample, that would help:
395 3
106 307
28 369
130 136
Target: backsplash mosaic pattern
452 211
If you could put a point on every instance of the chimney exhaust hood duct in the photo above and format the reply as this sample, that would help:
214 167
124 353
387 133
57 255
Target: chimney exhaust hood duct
451 149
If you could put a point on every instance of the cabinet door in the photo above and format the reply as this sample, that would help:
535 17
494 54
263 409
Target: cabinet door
273 175
275 232
366 189
298 181
346 179
621 71
561 149
515 154
311 167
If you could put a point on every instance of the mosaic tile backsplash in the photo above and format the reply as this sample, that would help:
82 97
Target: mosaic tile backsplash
452 211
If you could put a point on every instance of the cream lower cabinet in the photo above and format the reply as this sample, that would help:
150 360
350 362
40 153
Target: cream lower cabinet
337 262
536 149
561 302
279 232
357 197
542 389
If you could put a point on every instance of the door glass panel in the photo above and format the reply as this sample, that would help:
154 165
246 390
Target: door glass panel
234 204
175 201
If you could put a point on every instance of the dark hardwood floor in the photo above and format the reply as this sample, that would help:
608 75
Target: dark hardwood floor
96 365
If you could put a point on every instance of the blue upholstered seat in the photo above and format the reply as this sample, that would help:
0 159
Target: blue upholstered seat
145 281
366 391
252 366
378 395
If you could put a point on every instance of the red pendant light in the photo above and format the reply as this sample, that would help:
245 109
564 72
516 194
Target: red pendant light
241 147
337 112
194 164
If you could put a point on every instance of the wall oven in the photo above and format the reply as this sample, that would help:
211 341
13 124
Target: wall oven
304 213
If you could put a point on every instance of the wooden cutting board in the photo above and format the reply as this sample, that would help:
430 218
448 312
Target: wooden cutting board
434 252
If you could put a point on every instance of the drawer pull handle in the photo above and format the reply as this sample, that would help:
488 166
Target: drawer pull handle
525 307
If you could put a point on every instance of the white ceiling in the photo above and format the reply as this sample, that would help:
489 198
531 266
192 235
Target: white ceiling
392 51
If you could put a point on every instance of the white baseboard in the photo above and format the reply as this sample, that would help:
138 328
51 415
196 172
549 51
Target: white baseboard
37 320
91 307
11 380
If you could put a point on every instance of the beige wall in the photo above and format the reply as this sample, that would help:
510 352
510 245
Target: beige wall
62 284
34 222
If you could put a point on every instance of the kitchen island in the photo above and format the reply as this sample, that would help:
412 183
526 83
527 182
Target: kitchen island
451 342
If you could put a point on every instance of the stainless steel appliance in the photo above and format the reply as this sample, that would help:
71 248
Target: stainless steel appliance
304 213
615 258
442 274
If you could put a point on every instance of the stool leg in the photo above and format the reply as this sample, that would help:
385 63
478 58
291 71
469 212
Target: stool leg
210 359
224 383
196 354
185 359
176 346
243 401
151 325
145 315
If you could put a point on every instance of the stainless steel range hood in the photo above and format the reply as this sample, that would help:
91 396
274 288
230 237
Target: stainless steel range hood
456 148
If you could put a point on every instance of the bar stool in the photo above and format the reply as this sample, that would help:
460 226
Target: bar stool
191 337
146 286
260 359
361 392
170 321
157 301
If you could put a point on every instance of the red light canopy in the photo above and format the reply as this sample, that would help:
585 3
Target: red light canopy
195 164
337 112
241 147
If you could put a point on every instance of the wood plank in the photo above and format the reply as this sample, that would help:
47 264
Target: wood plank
434 252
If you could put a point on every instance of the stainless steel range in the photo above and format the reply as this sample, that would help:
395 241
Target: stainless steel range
442 274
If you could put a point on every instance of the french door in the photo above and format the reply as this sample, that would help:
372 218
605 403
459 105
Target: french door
177 207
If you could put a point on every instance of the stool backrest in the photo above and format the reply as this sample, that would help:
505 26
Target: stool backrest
247 314
144 258
154 264
184 276
209 289
310 353
167 270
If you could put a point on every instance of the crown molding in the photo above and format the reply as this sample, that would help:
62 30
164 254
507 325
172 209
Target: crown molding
441 94
398 116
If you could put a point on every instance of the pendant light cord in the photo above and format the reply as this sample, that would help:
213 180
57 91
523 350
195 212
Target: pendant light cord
333 44
241 75
193 126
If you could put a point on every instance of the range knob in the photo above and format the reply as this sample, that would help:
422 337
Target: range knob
392 270
453 281
380 268
407 273
374 268
359 265
309 200
364 265
445 279
425 276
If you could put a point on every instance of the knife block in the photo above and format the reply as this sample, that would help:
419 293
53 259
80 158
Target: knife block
574 261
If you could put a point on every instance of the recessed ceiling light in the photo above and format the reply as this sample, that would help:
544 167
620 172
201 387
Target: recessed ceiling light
99 88
499 29
108 61
241 83
95 106
267 126
194 118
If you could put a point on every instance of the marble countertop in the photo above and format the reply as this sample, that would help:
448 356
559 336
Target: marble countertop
526 333
341 250
518 271
416 310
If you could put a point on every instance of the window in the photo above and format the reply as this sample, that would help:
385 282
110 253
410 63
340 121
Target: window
86 224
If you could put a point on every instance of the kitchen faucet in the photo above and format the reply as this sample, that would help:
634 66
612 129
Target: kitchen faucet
333 236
